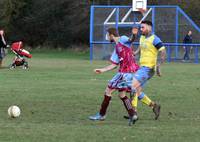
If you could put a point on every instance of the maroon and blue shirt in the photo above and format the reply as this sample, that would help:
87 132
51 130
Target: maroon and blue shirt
123 56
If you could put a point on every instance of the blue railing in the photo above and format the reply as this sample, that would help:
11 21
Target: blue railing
170 47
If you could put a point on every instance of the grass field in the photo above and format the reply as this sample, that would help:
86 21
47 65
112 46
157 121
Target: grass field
60 90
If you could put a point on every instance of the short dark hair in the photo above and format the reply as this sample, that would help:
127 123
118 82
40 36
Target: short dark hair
113 31
147 22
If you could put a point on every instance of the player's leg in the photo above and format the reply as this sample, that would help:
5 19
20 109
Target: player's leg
126 84
106 101
127 104
141 77
112 85
101 115
136 89
147 101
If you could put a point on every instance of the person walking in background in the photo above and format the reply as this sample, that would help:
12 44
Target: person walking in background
187 40
2 47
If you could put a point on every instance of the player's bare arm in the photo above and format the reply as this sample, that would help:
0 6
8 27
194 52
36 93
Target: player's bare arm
105 69
162 56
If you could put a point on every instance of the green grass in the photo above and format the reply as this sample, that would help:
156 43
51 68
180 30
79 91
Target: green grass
60 90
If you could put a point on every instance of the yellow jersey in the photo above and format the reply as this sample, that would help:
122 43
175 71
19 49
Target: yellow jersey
149 48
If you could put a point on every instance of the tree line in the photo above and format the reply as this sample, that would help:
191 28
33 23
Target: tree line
61 23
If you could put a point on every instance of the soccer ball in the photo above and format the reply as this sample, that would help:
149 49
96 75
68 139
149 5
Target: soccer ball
14 111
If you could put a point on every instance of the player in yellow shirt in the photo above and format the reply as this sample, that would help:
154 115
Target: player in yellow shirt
150 46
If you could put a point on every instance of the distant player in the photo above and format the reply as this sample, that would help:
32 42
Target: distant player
150 46
122 56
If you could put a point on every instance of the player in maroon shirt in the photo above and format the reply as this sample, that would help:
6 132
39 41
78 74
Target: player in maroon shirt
123 57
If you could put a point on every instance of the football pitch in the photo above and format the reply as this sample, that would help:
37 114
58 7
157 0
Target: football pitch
59 91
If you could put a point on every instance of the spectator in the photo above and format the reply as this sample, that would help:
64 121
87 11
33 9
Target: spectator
187 40
2 47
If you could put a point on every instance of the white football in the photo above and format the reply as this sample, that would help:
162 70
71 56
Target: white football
14 111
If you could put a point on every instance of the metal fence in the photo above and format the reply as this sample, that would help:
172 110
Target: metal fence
171 24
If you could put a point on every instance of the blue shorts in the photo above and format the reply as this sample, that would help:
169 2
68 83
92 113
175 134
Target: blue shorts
120 82
144 74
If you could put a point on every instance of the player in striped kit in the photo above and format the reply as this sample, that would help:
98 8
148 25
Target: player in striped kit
123 57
